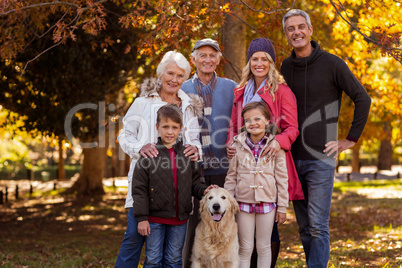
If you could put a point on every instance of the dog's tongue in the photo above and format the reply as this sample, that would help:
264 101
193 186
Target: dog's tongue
217 216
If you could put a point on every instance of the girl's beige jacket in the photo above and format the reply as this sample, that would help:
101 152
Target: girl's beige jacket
255 182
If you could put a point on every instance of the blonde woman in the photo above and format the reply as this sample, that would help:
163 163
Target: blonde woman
262 82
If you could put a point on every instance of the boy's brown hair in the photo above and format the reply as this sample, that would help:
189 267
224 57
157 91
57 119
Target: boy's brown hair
170 111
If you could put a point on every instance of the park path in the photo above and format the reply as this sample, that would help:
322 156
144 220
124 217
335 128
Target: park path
367 173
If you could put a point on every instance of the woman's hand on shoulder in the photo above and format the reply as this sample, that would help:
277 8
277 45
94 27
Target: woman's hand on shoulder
230 150
271 150
149 150
191 152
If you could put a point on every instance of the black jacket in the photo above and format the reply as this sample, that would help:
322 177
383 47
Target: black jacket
318 82
153 185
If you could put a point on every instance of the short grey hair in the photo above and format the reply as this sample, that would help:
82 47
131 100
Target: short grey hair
194 54
296 12
176 57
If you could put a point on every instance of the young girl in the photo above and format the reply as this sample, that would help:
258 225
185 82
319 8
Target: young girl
259 185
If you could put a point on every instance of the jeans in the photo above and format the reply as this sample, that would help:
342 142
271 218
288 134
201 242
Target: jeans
163 247
130 249
312 214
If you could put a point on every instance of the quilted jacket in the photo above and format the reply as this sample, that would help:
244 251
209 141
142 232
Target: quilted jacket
153 185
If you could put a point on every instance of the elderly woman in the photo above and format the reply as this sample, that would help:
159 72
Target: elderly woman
262 82
139 134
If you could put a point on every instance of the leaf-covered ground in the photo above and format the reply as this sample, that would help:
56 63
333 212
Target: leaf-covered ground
51 230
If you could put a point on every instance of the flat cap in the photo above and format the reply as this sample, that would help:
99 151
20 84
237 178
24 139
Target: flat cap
207 42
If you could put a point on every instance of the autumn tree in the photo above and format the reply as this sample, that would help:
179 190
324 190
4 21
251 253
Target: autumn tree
355 31
361 35
68 89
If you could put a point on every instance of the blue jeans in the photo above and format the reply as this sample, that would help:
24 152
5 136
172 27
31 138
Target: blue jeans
312 214
130 249
163 247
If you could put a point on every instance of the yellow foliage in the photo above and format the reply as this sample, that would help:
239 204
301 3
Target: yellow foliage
225 7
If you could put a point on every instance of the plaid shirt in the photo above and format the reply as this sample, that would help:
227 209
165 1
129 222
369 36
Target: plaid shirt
258 208
256 147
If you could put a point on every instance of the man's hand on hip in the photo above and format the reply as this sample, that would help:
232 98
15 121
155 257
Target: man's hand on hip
336 147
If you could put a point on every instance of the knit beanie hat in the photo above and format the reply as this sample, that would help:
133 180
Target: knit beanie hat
261 44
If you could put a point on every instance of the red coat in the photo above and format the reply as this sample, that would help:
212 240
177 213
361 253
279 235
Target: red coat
284 114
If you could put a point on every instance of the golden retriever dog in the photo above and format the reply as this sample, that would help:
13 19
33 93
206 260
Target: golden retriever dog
216 242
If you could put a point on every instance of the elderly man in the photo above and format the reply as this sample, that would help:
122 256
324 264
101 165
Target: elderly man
318 79
217 95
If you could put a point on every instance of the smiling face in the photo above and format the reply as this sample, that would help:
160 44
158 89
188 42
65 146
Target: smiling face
172 79
259 65
298 33
169 131
255 123
206 60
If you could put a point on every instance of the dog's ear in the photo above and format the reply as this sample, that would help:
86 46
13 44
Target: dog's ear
202 203
234 205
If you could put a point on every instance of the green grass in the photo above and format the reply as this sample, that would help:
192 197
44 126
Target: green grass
347 186
365 227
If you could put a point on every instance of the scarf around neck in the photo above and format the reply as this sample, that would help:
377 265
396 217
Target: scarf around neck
206 92
249 95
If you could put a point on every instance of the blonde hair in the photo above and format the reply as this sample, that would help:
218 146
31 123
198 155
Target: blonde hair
274 77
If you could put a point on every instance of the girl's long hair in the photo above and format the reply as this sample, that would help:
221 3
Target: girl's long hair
271 127
274 77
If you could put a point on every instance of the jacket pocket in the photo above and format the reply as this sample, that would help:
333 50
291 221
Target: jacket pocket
152 198
270 191
242 186
187 206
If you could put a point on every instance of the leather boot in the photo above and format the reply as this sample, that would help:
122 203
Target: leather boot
275 246
253 262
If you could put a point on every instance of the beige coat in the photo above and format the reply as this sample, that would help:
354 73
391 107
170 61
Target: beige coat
254 182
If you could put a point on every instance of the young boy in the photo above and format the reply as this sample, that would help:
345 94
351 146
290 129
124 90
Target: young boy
162 189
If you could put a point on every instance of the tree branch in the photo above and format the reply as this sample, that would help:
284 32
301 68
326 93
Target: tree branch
389 50
50 4
37 56
38 5
267 12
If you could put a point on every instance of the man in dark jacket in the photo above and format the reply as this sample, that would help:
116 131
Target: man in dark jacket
318 79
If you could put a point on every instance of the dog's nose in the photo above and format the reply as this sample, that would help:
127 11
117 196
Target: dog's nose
216 206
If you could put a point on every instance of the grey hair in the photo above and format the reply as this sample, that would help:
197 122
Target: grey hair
176 57
195 53
296 12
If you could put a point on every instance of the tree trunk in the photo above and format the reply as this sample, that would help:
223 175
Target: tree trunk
93 168
61 173
234 45
90 181
385 153
119 162
355 159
